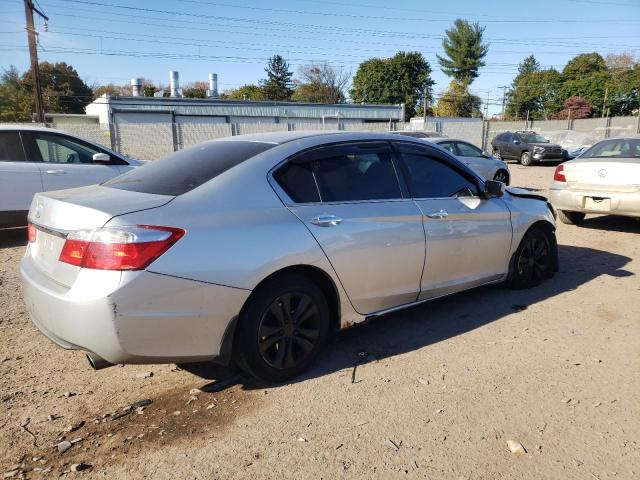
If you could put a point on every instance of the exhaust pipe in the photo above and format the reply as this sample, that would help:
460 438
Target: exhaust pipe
96 362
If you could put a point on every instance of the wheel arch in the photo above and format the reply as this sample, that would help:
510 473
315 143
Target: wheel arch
321 278
548 227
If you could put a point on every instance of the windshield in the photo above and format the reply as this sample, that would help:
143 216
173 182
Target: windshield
618 148
535 138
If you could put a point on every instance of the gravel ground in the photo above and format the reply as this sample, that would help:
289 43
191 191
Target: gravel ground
439 390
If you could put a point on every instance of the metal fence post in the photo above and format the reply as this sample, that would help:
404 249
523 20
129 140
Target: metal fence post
174 131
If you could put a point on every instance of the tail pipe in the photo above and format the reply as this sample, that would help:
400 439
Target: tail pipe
96 362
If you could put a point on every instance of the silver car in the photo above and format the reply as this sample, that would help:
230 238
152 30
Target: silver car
605 179
489 167
257 247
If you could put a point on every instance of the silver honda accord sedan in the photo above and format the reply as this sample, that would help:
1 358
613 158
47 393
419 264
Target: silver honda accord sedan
256 248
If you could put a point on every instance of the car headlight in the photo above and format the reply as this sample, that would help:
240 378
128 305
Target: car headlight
538 149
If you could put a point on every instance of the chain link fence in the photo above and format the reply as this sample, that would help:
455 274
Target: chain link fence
153 140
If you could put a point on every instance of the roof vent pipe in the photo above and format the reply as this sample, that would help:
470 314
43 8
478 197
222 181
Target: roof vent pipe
213 86
136 87
174 83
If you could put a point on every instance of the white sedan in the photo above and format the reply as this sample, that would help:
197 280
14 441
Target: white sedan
603 180
37 159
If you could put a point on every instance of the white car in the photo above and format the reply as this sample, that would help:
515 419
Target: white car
38 159
603 180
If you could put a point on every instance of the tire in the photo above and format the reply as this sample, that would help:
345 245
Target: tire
274 342
525 159
502 176
534 260
571 218
497 154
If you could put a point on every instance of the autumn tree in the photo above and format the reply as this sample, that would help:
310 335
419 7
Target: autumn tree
574 107
457 101
249 91
321 83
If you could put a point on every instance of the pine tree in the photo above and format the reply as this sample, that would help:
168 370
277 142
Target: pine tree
465 51
278 84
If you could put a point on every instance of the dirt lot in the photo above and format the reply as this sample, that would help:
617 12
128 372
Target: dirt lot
439 390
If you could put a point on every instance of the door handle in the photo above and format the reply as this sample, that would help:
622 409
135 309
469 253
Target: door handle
326 221
438 214
55 172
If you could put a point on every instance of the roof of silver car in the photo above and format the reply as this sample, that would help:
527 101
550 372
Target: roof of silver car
278 138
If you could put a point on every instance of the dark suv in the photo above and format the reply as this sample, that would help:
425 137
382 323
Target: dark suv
526 147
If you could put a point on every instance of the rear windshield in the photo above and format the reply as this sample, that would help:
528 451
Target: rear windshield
182 171
617 148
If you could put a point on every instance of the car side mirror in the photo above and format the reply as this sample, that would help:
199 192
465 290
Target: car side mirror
486 154
101 157
493 189
516 141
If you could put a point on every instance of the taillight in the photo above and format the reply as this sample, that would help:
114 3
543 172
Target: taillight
31 232
558 175
118 248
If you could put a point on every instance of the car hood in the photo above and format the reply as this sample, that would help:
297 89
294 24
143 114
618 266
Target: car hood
545 145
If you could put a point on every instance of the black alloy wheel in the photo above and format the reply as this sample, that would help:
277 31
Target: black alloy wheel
282 328
533 261
289 330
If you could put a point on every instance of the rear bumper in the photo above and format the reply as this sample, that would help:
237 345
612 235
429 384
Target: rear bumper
625 204
149 318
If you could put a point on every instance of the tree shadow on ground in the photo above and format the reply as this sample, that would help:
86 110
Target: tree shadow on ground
433 322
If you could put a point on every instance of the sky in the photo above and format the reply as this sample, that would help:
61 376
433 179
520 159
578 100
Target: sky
115 40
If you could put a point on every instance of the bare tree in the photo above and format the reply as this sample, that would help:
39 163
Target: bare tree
321 83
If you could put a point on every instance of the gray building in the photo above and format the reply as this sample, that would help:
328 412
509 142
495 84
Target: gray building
150 127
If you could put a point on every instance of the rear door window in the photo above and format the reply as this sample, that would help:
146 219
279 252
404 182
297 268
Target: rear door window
11 147
184 170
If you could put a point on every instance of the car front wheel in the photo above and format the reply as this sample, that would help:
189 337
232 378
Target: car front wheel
282 328
533 260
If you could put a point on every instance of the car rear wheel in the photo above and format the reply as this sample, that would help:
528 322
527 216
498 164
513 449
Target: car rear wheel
525 159
282 328
571 218
502 176
533 260
496 153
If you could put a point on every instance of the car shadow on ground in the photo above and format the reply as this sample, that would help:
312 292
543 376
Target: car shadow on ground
612 223
433 322
13 237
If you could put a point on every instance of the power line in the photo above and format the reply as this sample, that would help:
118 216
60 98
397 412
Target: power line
334 14
332 30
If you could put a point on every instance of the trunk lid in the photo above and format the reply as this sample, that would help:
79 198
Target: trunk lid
56 213
602 174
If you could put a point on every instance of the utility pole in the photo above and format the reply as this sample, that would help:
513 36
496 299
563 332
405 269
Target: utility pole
604 104
424 107
504 93
486 107
29 8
